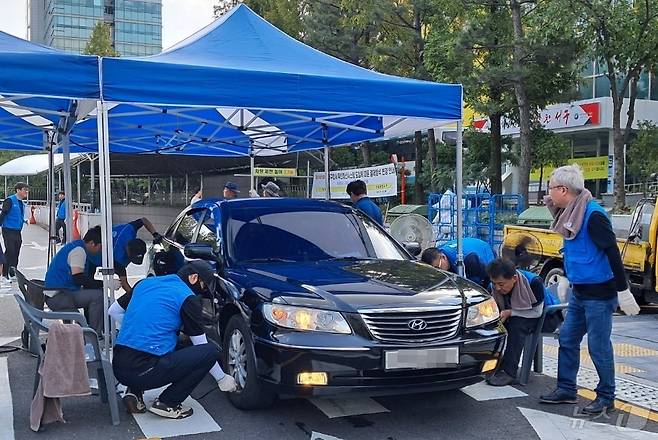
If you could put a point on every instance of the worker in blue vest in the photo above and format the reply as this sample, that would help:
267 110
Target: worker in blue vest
594 267
60 217
73 287
127 248
520 297
358 192
477 256
145 355
12 219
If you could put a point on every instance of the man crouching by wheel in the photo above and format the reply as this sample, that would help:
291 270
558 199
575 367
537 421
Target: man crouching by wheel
145 355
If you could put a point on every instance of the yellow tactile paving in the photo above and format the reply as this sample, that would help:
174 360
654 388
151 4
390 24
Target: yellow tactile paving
552 351
630 350
623 406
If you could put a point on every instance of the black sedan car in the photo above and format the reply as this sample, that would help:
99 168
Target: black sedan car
314 298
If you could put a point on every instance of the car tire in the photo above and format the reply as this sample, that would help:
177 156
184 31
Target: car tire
551 276
240 362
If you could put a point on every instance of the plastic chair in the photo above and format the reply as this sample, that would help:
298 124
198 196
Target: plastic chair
533 350
32 291
35 322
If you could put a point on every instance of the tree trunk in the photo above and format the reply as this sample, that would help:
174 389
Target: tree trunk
522 102
495 165
431 141
365 153
418 186
541 179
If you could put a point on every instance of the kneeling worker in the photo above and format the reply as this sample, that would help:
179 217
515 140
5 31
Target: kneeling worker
77 288
520 297
145 355
477 255
127 248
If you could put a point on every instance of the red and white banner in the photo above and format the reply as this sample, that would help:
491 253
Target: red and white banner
553 118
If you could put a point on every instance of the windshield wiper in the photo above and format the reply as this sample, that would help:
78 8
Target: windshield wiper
347 258
268 260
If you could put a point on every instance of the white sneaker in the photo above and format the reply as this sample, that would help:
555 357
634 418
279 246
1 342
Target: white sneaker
4 282
227 384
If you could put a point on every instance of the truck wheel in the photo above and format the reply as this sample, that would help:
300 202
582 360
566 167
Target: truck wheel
553 275
240 363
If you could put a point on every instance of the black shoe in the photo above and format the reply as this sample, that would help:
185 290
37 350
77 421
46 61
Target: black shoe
599 406
177 412
134 401
558 396
500 379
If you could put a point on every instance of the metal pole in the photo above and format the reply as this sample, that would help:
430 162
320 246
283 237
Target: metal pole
77 171
106 218
59 180
308 179
187 188
459 187
252 165
327 174
201 184
92 182
148 189
66 150
126 185
5 187
171 190
49 197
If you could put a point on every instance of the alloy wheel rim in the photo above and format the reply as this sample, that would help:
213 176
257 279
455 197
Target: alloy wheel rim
237 358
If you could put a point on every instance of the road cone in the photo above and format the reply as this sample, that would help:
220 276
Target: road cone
33 219
76 231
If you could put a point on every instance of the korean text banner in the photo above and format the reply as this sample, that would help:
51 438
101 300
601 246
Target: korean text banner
381 181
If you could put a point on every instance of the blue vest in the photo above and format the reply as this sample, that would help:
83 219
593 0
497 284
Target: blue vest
61 210
152 321
369 207
548 298
59 272
15 217
121 235
584 262
470 246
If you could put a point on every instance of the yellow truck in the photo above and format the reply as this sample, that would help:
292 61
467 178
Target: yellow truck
541 250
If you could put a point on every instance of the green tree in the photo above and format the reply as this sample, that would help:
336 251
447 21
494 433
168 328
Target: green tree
548 149
284 14
642 157
100 42
623 36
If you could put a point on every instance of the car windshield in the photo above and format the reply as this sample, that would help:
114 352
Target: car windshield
308 236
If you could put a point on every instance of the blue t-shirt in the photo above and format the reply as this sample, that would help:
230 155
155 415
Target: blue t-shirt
369 207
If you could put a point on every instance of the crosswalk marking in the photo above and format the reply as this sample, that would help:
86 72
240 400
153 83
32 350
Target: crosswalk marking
550 426
333 408
155 426
6 404
481 392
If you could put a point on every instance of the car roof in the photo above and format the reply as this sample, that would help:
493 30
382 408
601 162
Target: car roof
274 203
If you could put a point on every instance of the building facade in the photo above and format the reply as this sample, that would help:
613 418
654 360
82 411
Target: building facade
136 25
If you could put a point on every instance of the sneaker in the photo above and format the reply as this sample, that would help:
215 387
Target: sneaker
500 379
4 282
599 406
558 396
227 384
177 412
134 401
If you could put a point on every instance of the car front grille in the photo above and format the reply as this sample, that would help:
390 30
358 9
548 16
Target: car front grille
412 325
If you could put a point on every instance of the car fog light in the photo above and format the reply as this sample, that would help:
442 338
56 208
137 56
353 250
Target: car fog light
313 378
489 365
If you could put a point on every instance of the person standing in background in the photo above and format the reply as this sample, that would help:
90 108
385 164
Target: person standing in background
12 219
60 217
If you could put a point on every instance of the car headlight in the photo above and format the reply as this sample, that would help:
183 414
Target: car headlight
307 319
482 313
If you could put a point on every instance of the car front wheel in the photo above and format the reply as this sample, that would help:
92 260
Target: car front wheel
240 363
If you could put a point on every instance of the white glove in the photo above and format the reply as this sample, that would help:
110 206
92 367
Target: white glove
627 303
227 384
253 193
562 289
116 284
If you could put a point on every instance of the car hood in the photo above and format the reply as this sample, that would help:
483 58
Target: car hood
354 285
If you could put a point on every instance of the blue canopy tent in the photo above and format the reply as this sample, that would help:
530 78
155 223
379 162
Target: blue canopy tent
241 87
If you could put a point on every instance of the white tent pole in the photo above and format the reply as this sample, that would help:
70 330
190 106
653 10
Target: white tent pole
5 188
66 150
106 217
460 214
49 197
171 190
327 174
308 179
252 165
187 187
77 171
59 180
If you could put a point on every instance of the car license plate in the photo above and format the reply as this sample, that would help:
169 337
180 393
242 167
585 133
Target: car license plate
419 359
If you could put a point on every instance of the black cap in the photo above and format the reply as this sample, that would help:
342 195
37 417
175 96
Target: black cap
202 268
136 250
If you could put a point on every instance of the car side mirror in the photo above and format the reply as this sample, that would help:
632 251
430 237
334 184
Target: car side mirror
204 252
412 247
